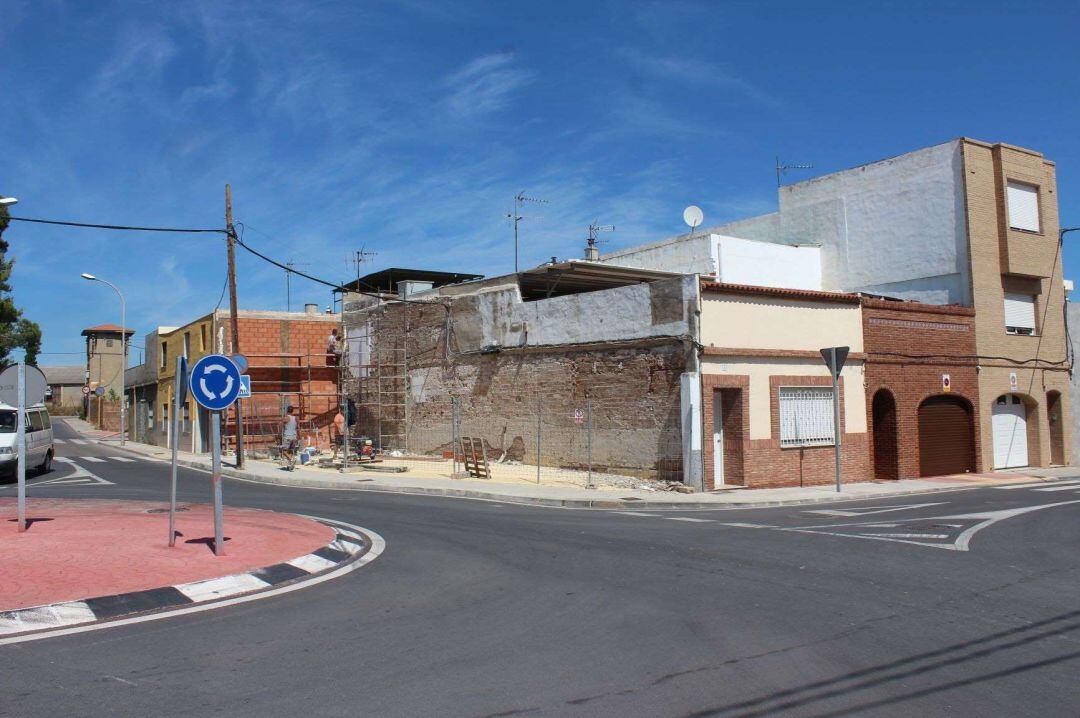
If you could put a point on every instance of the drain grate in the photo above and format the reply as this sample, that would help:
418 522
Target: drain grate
630 498
164 511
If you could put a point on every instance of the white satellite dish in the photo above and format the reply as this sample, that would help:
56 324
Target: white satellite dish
693 216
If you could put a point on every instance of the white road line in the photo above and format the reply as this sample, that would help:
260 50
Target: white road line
199 591
59 441
93 459
633 513
738 525
866 510
913 536
696 521
124 460
63 459
311 563
1071 487
1031 486
79 442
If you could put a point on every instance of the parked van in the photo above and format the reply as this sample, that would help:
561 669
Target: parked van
39 440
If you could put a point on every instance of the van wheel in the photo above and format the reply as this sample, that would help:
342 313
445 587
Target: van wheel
46 465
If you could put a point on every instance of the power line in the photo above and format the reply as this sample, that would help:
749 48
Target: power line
181 230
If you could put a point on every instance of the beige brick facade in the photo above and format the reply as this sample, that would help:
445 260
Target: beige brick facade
1009 260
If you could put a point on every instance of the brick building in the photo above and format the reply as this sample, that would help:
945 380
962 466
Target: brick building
767 406
287 363
922 388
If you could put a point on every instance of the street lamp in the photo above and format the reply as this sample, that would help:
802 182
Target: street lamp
123 353
8 201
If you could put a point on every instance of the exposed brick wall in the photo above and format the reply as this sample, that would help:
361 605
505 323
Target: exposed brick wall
909 347
634 392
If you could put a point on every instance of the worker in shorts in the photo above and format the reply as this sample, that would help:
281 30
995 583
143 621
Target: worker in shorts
288 439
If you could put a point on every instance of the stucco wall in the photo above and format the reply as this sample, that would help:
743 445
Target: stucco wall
500 317
767 264
752 322
759 371
895 226
683 254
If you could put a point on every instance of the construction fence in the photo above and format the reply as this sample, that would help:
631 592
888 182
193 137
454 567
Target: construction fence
587 442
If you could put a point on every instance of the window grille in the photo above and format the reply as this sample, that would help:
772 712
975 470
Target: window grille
806 416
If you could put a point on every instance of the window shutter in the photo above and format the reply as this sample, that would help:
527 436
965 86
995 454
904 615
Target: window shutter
1019 311
1023 200
806 416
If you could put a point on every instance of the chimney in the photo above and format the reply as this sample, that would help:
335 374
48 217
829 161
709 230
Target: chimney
311 309
592 254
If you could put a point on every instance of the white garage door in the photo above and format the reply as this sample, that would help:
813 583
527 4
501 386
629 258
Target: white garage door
1010 432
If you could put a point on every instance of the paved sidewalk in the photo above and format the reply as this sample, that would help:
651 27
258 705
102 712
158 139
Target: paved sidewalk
76 549
271 473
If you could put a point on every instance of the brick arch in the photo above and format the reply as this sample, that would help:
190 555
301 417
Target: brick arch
884 440
1034 423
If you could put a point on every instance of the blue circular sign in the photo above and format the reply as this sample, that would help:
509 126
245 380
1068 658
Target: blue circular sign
215 382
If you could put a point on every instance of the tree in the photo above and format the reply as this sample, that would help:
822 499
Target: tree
15 330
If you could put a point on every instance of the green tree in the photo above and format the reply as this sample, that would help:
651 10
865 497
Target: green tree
15 330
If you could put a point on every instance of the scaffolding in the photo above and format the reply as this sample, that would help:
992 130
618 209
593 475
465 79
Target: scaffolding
378 376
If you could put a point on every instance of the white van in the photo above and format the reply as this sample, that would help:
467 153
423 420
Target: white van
39 440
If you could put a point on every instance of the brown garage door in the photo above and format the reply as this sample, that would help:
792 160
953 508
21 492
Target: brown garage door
946 437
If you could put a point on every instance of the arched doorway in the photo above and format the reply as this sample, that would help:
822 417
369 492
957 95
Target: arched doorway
1009 424
1057 434
946 436
886 456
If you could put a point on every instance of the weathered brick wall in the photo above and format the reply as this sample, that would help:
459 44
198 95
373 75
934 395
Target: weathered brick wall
633 389
909 347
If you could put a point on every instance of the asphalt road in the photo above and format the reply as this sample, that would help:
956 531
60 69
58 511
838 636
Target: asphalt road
483 609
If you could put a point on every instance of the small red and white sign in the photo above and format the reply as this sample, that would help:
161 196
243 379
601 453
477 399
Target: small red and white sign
579 417
86 390
946 383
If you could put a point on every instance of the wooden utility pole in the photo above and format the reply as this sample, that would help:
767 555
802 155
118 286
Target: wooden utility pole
231 234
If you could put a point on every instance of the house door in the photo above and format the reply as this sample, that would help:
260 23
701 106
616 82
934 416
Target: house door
1009 424
718 439
946 436
1057 438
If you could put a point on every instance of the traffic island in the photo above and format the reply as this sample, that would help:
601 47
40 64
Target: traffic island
99 561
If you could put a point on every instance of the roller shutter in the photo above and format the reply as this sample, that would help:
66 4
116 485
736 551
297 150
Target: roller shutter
946 437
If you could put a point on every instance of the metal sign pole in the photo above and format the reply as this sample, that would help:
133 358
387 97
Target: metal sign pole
836 414
175 443
215 438
20 445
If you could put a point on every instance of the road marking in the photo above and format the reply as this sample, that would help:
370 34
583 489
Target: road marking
311 563
633 513
867 510
1030 486
62 614
59 441
914 536
748 526
123 460
63 460
209 589
1059 488
80 442
686 518
92 459
75 480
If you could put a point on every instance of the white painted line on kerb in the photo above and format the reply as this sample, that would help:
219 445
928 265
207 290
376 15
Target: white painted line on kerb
378 545
311 563
696 521
61 614
212 588
633 513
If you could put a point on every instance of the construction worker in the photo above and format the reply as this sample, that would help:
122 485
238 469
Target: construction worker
288 439
333 348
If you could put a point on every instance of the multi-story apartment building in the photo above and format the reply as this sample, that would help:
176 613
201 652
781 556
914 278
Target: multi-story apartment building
963 223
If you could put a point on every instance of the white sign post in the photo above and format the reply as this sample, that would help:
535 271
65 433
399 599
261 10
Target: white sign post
215 384
834 359
20 444
179 397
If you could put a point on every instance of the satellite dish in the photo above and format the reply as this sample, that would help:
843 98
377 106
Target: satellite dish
693 216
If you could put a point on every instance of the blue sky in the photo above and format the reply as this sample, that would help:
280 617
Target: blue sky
406 128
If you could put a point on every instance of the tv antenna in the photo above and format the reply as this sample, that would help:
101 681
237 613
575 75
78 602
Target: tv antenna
288 281
516 216
592 254
693 216
782 169
358 258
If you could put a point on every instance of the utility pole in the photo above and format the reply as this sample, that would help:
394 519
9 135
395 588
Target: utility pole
231 234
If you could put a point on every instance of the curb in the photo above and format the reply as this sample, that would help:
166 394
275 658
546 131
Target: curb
351 548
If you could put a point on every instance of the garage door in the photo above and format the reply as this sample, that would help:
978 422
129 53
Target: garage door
1010 432
946 437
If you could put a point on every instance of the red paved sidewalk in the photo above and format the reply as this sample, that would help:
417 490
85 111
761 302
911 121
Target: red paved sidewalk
77 549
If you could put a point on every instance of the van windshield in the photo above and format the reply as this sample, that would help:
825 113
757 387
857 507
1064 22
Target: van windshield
7 422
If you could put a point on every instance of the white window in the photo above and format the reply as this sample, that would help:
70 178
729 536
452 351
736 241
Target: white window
164 417
149 415
1019 313
806 416
1023 206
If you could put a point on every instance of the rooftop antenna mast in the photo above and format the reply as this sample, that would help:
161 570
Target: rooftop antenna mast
516 216
288 282
592 254
358 259
781 170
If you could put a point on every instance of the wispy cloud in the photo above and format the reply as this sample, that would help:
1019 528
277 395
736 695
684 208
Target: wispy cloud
484 85
706 76
140 54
